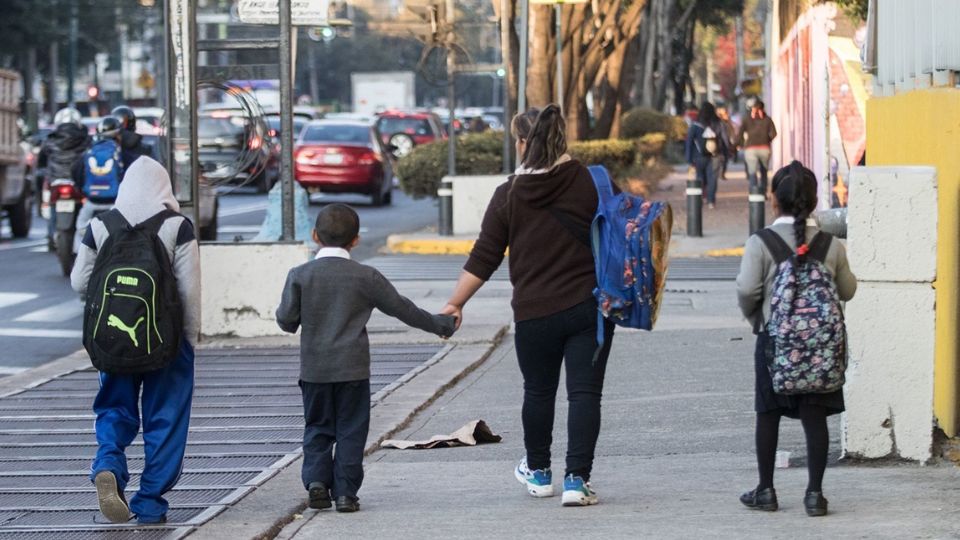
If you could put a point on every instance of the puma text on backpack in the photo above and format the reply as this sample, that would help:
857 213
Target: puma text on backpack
103 168
133 319
808 337
629 237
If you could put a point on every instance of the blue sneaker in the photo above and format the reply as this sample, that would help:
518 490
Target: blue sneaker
576 492
539 483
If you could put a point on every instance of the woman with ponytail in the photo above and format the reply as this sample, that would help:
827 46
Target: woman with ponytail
542 213
795 197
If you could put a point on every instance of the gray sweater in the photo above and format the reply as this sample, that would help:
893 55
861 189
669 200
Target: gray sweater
332 299
757 271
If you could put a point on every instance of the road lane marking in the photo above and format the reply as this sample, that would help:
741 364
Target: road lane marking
229 212
58 313
12 299
23 244
238 229
31 333
7 370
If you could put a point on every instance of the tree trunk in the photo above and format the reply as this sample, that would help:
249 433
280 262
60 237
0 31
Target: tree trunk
649 35
511 57
539 74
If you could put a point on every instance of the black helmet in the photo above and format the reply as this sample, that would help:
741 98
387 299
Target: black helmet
128 120
109 126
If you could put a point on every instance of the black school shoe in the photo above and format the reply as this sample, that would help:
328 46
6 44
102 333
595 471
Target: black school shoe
763 499
346 503
319 496
815 504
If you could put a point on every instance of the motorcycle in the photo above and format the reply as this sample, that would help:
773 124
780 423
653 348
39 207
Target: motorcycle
65 203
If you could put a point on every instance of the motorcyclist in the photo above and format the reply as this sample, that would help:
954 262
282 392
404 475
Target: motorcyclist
131 142
62 149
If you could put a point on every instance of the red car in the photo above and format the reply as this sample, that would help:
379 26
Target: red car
340 156
404 130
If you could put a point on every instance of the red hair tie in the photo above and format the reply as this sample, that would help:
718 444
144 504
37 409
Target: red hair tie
803 249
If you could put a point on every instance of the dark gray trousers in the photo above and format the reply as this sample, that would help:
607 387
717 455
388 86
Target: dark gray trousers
336 415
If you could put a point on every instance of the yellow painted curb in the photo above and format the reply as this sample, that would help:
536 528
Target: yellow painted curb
429 246
729 252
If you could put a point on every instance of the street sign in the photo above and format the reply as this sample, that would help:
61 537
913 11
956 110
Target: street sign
304 12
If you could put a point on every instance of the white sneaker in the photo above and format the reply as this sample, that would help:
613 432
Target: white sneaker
539 483
576 492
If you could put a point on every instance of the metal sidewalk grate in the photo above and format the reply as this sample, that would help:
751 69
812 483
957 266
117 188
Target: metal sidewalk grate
247 420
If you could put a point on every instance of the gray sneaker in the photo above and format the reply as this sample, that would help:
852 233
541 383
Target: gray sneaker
113 504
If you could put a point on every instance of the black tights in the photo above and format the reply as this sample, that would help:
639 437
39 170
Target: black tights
814 420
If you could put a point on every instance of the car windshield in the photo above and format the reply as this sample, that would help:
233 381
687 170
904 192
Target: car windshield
337 134
273 122
410 126
217 127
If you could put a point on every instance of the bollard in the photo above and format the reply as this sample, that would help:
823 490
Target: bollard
694 207
445 196
758 206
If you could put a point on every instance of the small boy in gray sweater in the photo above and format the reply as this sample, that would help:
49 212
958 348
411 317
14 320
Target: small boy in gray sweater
332 298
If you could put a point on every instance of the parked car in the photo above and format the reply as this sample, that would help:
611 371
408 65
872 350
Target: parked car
16 190
405 130
337 156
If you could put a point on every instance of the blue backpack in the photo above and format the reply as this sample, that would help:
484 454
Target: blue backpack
104 170
629 236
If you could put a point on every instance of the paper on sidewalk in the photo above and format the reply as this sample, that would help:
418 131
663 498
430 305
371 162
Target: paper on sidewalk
472 434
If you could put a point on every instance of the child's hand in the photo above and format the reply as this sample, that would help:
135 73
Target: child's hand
448 325
454 311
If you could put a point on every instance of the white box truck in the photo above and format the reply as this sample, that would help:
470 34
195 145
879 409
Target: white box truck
383 90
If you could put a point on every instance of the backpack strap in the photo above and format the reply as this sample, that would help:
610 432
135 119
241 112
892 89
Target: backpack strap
114 221
601 180
154 223
819 246
778 248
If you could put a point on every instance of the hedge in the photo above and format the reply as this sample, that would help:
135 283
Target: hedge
420 171
641 121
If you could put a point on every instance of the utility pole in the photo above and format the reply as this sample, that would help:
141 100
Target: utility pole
54 71
741 62
72 53
524 48
445 193
506 55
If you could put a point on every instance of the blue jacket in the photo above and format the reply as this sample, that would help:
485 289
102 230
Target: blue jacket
692 150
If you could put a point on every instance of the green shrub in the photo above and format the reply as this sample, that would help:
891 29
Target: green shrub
615 154
651 146
421 170
641 121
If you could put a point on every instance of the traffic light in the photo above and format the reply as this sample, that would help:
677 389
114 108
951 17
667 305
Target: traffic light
93 92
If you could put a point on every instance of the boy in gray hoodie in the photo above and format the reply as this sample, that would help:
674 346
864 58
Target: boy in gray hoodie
331 299
167 392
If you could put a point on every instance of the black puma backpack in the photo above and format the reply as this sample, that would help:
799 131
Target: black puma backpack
133 319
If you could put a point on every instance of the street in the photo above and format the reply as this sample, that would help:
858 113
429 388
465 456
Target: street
40 316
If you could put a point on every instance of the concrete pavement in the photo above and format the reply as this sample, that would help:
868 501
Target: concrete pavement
675 451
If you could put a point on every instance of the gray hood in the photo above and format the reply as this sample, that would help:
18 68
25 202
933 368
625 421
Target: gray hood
145 191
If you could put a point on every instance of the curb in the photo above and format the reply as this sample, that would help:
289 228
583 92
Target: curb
401 244
728 252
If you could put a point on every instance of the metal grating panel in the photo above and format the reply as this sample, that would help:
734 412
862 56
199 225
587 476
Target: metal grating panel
246 419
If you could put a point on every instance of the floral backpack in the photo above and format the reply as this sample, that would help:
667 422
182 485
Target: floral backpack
808 338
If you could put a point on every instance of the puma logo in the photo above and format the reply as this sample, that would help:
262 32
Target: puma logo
115 322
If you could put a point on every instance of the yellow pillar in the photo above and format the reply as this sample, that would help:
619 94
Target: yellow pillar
922 127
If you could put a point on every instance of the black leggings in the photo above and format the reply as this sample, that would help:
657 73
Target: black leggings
814 420
542 345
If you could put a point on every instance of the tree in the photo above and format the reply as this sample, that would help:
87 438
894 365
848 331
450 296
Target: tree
855 8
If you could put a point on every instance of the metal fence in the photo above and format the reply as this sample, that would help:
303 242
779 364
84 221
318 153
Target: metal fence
917 44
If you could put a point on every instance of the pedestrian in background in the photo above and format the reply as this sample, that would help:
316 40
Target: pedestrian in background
534 214
161 397
331 299
731 135
757 132
796 238
707 147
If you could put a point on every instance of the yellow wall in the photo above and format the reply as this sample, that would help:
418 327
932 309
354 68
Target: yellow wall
922 127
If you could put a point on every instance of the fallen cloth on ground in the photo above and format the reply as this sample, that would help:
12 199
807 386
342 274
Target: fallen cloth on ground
472 434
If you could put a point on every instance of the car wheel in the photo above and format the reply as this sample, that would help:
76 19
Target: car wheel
377 198
403 143
21 216
65 251
388 197
209 233
262 182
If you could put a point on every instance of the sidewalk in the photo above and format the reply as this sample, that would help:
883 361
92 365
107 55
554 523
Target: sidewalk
675 452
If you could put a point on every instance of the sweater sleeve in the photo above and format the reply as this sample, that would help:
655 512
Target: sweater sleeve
750 281
288 314
845 280
491 245
186 268
771 130
386 298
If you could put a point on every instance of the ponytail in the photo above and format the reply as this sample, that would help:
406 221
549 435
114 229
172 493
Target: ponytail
546 140
795 188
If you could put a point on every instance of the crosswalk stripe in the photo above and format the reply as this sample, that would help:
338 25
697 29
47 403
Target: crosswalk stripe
18 244
58 313
12 299
31 333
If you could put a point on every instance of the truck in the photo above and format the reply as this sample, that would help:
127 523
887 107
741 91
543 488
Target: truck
384 90
16 168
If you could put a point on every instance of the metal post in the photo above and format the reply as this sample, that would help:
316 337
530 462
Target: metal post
524 49
506 55
72 54
54 72
286 121
741 71
445 193
191 61
559 16
694 206
758 207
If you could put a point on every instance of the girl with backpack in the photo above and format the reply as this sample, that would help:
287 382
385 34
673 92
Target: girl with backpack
792 260
706 150
535 213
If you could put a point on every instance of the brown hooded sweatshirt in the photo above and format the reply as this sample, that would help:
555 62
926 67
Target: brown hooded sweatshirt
550 269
